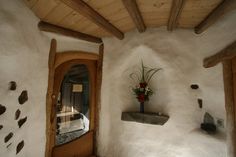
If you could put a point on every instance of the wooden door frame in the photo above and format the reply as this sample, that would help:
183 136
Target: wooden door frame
55 60
86 141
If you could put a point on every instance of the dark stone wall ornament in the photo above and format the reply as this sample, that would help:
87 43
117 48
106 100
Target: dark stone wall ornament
194 86
2 109
208 124
17 114
22 121
20 146
8 137
12 85
208 118
199 102
23 97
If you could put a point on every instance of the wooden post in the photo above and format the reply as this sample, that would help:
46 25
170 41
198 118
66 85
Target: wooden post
51 61
230 90
98 93
234 107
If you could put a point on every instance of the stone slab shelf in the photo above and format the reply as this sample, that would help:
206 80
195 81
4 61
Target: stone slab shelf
148 118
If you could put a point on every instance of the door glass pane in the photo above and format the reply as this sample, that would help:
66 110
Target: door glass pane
73 105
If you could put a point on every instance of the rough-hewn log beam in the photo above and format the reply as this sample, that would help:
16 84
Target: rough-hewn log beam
85 10
175 12
49 126
44 26
135 14
218 12
227 53
229 89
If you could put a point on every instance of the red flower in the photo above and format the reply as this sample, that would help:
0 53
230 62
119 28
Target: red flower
143 84
141 97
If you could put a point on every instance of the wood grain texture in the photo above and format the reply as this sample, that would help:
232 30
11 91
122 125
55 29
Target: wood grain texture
30 3
135 14
98 93
155 13
227 53
80 148
215 15
84 145
233 112
85 10
44 7
70 55
230 92
59 64
44 26
115 12
194 11
57 14
71 19
49 128
177 6
89 27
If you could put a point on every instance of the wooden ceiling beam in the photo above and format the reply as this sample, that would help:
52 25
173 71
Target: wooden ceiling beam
84 9
134 12
215 15
227 53
176 9
47 27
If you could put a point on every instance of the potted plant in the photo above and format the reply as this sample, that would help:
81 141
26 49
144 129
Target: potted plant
142 91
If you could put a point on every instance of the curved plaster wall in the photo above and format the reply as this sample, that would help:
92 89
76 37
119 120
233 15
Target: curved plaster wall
23 58
180 53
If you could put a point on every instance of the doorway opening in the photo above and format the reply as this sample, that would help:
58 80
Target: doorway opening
73 115
73 101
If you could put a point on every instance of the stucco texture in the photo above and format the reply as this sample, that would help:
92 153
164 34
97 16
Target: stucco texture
24 56
180 54
24 59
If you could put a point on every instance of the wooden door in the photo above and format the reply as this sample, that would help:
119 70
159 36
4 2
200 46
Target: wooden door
73 136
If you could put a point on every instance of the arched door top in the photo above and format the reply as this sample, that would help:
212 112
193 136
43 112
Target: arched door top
66 56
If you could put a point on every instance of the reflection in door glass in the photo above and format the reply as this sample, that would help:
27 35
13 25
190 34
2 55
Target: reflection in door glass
73 105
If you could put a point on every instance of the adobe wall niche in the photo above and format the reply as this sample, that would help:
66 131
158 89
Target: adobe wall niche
180 54
173 96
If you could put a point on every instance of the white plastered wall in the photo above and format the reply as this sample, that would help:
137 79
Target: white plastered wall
24 59
24 56
180 53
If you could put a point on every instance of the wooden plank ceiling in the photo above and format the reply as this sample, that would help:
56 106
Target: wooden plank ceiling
155 13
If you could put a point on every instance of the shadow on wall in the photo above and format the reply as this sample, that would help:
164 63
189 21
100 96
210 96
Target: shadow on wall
173 96
159 100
